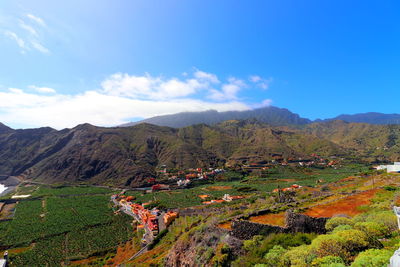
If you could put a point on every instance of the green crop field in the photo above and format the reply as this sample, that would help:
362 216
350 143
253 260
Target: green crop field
56 223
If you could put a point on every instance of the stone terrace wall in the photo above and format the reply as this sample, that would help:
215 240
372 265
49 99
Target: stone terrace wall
244 229
295 222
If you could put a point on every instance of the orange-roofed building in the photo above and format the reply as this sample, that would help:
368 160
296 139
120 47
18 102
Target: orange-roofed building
169 217
287 189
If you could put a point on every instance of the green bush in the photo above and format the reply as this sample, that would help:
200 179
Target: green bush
373 229
299 257
373 258
251 244
329 261
337 221
329 245
342 228
354 240
274 256
387 218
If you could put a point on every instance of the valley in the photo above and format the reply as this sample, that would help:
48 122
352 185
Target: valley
145 195
57 216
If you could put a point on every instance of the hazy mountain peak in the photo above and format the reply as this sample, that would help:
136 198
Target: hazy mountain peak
271 115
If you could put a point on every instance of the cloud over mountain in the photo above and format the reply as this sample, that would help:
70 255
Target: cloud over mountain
121 98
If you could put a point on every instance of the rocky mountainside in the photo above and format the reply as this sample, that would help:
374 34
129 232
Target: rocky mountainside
271 115
126 156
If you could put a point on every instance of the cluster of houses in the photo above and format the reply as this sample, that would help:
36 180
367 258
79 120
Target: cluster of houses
183 178
147 219
313 161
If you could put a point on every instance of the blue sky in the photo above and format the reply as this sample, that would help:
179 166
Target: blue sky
109 62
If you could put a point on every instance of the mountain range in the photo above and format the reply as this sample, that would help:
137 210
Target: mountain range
271 115
127 156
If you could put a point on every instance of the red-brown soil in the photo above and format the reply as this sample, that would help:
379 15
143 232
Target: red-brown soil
226 225
277 219
345 206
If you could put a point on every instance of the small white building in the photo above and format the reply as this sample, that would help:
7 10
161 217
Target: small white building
390 168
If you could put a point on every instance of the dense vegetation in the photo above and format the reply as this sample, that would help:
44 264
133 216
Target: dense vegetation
65 224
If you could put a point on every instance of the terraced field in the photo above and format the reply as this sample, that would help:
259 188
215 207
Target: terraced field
349 206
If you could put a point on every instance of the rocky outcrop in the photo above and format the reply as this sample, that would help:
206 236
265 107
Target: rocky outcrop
195 250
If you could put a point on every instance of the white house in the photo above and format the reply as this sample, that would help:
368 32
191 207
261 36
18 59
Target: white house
390 168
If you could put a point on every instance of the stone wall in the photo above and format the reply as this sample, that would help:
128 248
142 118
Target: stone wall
244 229
295 222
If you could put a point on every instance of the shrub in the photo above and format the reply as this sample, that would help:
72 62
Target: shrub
274 256
342 228
329 245
373 229
329 261
251 244
299 257
386 218
354 240
373 258
336 221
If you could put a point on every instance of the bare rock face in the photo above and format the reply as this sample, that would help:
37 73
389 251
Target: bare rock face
196 250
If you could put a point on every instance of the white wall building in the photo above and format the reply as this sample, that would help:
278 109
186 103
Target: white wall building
390 168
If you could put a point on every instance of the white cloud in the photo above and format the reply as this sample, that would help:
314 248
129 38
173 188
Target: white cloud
148 87
120 98
28 33
60 111
13 36
201 75
36 19
266 103
255 78
28 28
38 46
228 91
261 82
46 90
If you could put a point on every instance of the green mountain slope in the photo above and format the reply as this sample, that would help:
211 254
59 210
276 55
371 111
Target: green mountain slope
127 156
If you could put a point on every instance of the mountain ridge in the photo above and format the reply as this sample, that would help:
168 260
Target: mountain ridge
271 115
128 156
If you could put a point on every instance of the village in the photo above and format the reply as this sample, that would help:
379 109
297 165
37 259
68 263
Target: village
154 220
173 178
